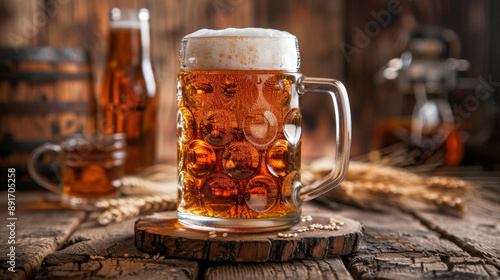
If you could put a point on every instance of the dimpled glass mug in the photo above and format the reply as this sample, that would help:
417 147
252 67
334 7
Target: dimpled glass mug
239 130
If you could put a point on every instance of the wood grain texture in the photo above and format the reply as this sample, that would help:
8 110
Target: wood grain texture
161 233
42 100
121 268
397 246
38 233
85 24
108 251
321 26
331 268
478 231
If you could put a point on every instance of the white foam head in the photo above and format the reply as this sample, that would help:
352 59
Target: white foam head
240 49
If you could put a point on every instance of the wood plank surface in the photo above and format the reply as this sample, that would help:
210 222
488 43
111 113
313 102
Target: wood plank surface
121 268
97 251
398 246
37 234
161 233
478 230
395 246
331 268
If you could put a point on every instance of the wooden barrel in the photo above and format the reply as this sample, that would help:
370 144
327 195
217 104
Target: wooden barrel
45 94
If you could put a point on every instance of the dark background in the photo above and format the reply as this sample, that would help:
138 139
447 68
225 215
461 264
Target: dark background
321 27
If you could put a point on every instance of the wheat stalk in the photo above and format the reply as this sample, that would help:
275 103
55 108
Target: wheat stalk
366 185
155 189
369 184
117 209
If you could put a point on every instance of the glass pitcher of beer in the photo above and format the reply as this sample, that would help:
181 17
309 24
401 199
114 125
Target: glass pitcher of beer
129 99
239 130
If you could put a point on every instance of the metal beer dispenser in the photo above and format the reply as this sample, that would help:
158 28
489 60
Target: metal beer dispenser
425 74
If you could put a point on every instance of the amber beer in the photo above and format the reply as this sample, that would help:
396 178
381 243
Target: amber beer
440 144
91 167
129 101
92 171
239 140
239 130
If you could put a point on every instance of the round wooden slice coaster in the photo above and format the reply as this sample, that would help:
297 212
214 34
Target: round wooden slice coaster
162 233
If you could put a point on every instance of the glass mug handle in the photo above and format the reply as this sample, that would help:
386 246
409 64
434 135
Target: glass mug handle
34 173
342 134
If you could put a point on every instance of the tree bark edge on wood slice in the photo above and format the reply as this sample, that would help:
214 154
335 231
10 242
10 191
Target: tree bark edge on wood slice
162 233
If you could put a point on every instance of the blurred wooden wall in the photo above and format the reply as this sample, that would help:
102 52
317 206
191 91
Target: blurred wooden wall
476 24
66 23
320 25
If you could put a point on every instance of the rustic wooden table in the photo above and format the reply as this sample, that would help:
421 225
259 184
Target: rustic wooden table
398 244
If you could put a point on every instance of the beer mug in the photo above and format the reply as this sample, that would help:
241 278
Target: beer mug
91 167
239 130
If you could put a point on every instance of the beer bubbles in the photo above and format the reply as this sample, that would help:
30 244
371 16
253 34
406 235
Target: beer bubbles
238 129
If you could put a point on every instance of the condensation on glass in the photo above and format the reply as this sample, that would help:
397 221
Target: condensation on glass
239 130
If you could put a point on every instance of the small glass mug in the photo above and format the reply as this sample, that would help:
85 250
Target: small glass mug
239 130
91 165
